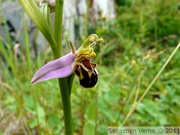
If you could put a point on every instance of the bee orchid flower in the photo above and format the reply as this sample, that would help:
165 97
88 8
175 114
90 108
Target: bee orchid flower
77 62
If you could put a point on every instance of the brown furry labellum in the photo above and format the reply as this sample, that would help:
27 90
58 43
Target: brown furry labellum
87 73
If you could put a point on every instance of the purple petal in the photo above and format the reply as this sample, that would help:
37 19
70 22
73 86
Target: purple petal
59 73
58 68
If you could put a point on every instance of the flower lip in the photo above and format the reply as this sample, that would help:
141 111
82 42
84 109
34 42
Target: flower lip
89 80
87 73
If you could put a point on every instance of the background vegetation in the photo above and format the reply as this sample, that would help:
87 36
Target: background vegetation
138 42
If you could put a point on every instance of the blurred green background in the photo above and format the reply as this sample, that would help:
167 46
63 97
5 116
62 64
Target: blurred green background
137 43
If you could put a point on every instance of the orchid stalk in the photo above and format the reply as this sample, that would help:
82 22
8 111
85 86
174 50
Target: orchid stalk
75 62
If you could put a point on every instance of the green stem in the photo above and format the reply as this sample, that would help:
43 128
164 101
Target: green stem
63 83
66 106
58 27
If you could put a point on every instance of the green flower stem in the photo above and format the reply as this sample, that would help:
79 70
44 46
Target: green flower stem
70 82
66 106
64 85
58 25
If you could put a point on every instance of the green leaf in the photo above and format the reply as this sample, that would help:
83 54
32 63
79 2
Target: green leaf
162 119
141 108
33 122
45 10
108 49
151 107
91 111
36 16
31 107
89 129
